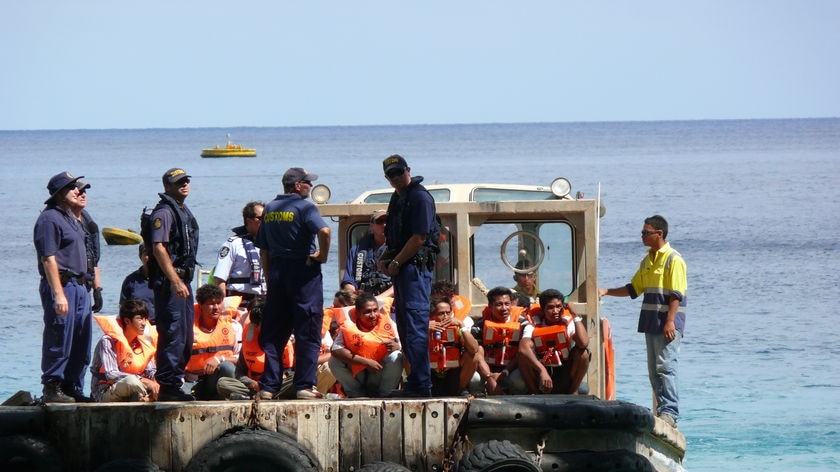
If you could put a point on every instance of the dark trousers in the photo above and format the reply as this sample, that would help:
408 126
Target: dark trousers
175 318
65 349
294 304
411 302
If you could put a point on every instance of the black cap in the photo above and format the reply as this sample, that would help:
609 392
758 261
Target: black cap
173 175
60 181
394 162
297 174
82 185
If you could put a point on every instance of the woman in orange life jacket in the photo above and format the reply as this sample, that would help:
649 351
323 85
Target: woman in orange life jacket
366 358
124 358
217 340
555 358
453 351
498 332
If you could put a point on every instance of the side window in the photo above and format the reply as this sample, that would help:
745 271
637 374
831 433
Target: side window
443 267
358 232
556 253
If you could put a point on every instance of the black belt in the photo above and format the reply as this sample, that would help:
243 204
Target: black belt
239 280
66 276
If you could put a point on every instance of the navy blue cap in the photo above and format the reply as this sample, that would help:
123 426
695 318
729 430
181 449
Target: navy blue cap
174 175
297 174
59 181
394 162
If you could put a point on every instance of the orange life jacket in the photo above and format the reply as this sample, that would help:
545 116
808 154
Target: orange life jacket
461 307
289 355
220 342
368 344
132 356
501 340
251 352
444 349
338 314
551 342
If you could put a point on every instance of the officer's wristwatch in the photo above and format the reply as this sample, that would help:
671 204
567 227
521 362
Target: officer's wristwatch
394 261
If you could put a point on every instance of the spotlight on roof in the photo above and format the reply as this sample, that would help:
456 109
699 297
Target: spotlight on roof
561 187
320 194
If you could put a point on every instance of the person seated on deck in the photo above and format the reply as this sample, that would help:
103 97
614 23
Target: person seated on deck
123 365
366 358
526 282
460 305
360 271
498 332
251 362
554 359
136 285
217 341
521 300
453 351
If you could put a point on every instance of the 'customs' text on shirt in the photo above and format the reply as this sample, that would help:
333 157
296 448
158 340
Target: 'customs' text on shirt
279 216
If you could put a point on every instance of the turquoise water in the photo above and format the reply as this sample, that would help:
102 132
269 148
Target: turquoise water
752 207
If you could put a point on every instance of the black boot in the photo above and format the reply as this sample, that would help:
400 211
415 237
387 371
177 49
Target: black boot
54 394
77 394
173 394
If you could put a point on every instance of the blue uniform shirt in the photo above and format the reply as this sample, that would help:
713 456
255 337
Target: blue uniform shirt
289 226
58 233
410 212
161 225
136 285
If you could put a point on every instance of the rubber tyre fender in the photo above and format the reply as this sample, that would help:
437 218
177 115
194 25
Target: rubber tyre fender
253 450
383 467
496 456
28 453
128 465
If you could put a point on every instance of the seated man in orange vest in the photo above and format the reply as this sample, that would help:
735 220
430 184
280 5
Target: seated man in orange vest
366 358
124 358
461 306
498 332
217 341
555 357
453 351
251 362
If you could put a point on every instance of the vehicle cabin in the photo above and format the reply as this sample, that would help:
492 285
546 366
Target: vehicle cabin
490 228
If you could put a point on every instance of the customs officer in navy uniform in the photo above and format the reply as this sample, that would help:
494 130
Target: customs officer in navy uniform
361 271
411 255
295 299
62 262
171 238
238 270
93 279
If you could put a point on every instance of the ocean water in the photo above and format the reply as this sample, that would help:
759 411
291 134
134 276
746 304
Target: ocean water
752 206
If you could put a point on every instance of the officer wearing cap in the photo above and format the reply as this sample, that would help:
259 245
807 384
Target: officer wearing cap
526 282
238 268
409 261
62 262
295 299
93 279
360 271
171 238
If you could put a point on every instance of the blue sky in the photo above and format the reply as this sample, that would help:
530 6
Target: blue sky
186 63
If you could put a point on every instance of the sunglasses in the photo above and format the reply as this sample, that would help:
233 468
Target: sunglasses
183 182
380 221
645 232
395 173
307 182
